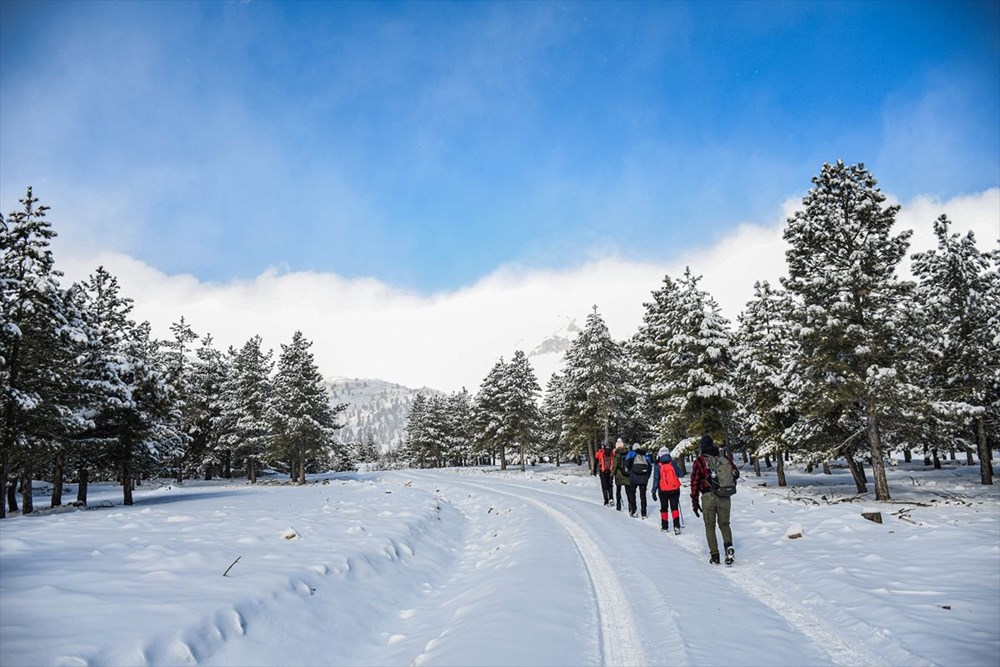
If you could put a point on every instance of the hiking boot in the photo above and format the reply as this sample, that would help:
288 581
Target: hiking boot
664 529
664 525
644 516
714 560
677 530
730 555
632 514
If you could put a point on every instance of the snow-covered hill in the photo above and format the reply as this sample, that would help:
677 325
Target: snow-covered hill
374 405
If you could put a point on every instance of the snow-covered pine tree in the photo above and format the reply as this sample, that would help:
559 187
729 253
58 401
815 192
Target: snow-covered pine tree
842 260
554 437
245 430
208 374
416 418
30 320
521 415
595 383
960 292
646 350
302 418
764 359
458 445
488 414
693 368
180 374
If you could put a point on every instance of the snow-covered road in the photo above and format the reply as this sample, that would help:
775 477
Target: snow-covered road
481 567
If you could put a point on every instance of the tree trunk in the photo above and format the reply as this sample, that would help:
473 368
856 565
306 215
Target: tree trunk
828 471
927 456
57 479
878 466
746 457
127 476
857 472
12 495
208 471
302 468
907 455
4 474
767 460
951 453
27 502
521 448
180 472
969 461
557 458
251 470
756 466
781 470
81 489
985 453
503 458
592 455
934 457
227 469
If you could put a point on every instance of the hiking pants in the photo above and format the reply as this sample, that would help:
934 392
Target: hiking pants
618 491
669 501
630 491
715 509
641 490
606 487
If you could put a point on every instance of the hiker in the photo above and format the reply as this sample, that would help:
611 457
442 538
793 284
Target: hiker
667 485
620 473
713 481
605 462
640 466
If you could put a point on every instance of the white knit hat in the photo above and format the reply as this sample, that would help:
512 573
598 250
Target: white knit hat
663 451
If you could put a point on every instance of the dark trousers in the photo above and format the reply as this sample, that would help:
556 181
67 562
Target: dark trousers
606 487
631 491
669 502
618 495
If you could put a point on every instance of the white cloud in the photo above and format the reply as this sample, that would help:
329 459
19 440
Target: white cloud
365 328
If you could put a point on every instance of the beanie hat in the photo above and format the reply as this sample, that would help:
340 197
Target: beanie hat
663 452
635 447
707 446
620 443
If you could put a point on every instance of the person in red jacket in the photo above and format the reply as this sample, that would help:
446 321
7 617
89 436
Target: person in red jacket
667 485
713 480
605 462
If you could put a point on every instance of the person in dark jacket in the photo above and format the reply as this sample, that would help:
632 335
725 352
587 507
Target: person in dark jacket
640 466
705 501
605 462
667 485
619 472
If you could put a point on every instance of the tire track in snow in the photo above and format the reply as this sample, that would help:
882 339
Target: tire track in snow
620 640
841 650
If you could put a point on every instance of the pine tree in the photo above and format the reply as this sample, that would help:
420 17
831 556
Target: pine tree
521 415
245 431
554 437
764 358
208 375
595 383
842 260
685 345
960 293
302 418
488 414
29 324
180 373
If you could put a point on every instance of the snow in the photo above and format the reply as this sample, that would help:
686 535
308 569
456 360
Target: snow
476 566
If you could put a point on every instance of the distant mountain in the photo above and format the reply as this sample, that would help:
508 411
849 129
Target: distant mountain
548 356
374 405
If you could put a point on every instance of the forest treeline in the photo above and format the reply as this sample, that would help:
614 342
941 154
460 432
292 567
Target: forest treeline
841 361
89 394
844 360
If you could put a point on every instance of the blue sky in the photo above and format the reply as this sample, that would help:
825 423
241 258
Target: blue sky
428 144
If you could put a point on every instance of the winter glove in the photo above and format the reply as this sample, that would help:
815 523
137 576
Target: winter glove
696 506
654 495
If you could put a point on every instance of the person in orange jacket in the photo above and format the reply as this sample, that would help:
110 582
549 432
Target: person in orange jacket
667 485
605 462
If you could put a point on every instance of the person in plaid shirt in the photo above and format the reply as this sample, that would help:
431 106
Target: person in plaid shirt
704 501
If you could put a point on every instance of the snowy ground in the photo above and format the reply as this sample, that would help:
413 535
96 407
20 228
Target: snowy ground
476 567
